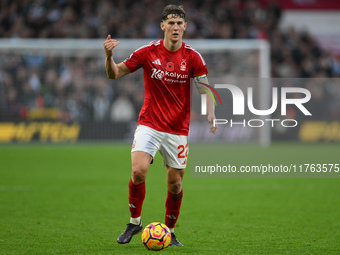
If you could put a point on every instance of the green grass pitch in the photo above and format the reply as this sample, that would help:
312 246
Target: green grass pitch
73 200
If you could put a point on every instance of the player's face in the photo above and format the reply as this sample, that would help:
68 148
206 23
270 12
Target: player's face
173 28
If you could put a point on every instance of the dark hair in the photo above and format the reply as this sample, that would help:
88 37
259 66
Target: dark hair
175 10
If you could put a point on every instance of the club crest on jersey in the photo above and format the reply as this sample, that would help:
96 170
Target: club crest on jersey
170 66
183 65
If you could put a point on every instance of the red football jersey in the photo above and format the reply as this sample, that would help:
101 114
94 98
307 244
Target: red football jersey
167 76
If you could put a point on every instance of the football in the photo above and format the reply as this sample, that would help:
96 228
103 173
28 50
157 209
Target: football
156 236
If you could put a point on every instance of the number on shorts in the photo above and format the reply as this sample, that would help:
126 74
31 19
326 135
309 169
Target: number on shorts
183 153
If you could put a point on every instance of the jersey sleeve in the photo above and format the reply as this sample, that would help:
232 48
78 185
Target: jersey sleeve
199 66
134 61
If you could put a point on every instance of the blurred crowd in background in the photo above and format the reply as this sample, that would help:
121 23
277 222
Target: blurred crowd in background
74 86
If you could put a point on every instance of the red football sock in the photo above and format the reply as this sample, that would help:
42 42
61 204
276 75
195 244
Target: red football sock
136 198
172 208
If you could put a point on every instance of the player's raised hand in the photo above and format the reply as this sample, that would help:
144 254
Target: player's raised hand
109 45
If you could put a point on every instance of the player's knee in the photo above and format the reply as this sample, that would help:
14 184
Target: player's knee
138 175
175 186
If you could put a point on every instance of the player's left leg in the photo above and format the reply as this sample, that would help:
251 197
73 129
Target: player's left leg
174 150
173 200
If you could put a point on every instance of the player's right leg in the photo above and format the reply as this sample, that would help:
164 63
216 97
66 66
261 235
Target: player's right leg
140 165
140 161
145 146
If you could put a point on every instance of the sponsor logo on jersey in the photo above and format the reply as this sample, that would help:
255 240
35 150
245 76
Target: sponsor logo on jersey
157 62
159 74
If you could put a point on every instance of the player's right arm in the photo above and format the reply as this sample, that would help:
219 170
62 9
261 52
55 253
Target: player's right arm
113 70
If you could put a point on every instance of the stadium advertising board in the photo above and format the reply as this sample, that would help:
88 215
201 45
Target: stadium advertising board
319 131
61 132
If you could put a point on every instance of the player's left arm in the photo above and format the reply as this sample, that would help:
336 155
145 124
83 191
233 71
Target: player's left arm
201 82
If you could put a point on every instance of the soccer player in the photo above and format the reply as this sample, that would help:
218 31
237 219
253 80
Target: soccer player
163 122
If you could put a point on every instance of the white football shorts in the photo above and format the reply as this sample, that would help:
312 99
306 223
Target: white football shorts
173 148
